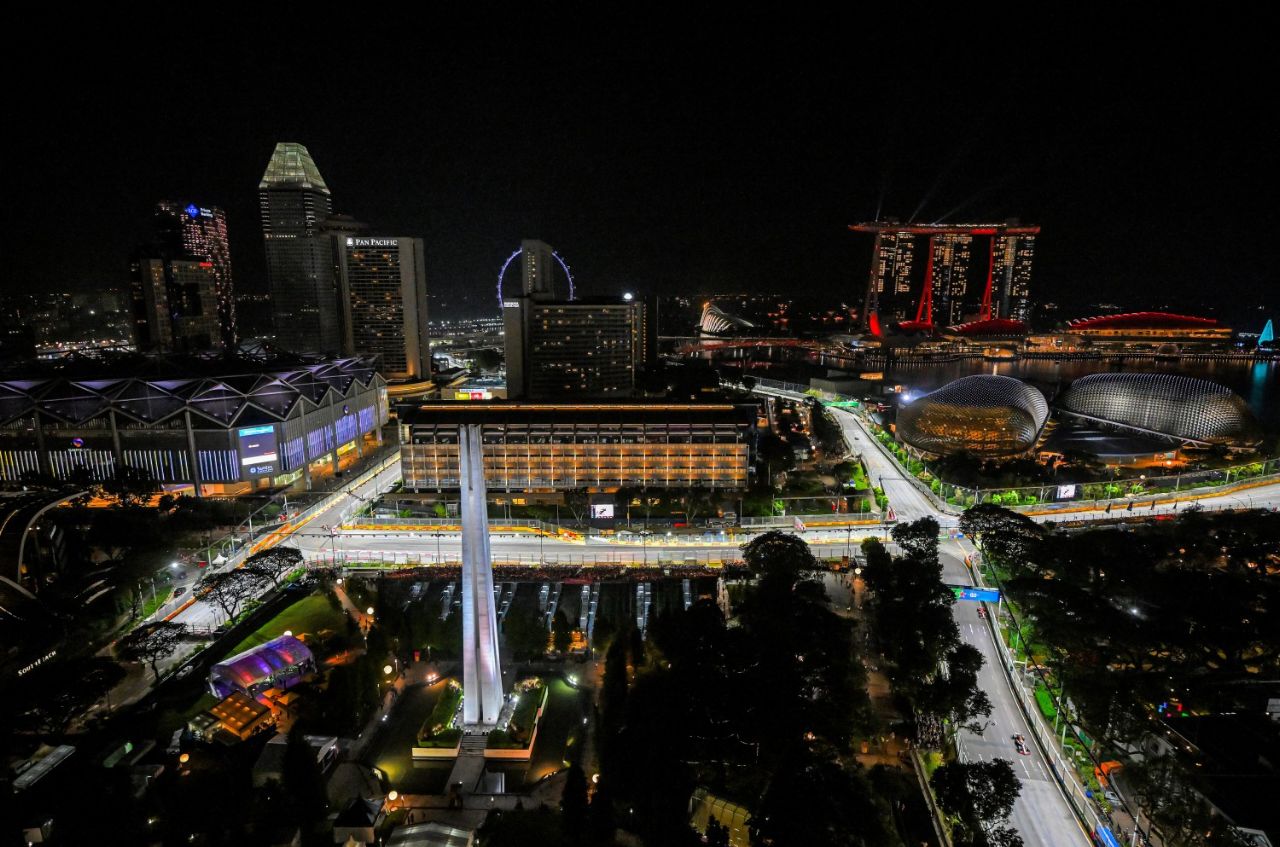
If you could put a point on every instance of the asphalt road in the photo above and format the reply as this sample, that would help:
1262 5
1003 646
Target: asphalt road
330 513
1041 814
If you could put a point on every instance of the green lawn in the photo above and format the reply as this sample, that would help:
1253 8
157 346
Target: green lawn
153 603
437 730
309 616
519 730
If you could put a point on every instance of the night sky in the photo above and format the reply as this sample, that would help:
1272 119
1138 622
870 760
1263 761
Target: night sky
678 156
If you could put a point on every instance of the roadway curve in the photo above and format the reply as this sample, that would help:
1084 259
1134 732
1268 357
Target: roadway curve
1041 814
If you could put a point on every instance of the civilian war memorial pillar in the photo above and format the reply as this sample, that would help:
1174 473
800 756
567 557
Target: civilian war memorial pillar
481 672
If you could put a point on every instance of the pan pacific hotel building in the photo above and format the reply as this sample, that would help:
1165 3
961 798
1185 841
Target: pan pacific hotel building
196 426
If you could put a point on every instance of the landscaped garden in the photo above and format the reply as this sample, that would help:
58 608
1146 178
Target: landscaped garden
438 729
532 694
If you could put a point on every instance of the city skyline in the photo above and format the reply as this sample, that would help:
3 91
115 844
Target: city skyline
734 179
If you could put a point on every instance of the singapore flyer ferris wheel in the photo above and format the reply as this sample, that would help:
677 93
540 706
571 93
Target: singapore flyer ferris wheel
564 266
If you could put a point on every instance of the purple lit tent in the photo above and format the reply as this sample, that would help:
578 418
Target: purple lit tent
279 663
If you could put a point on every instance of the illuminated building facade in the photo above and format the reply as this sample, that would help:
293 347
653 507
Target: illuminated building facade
1172 405
200 426
383 286
175 304
537 268
943 289
983 415
200 232
1149 327
561 446
1011 257
717 322
575 349
295 203
950 258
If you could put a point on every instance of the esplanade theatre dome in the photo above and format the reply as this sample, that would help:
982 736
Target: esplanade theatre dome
986 415
1167 404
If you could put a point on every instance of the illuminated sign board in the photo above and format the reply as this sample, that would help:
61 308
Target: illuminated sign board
601 511
371 242
473 394
511 304
1066 492
258 454
23 671
977 595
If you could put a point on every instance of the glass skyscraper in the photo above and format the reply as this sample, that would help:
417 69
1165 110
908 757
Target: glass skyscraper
295 203
200 232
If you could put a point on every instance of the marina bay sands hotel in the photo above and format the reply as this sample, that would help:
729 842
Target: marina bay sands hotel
937 274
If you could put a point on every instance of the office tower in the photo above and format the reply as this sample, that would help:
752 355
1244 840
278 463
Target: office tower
538 269
574 349
481 668
295 203
382 282
940 294
175 304
200 232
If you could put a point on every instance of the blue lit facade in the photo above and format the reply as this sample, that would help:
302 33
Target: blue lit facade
201 434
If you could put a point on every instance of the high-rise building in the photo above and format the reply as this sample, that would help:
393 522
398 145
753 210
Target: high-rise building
295 203
382 281
940 293
574 349
951 255
175 304
200 232
1011 257
537 269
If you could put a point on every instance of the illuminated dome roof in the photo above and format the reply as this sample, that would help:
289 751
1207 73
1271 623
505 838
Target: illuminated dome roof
1143 320
279 662
716 321
986 415
1168 404
991 327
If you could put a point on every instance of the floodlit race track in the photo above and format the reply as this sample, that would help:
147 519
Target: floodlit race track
1042 814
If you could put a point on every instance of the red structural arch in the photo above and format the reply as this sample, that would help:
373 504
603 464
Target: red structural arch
990 327
1143 320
